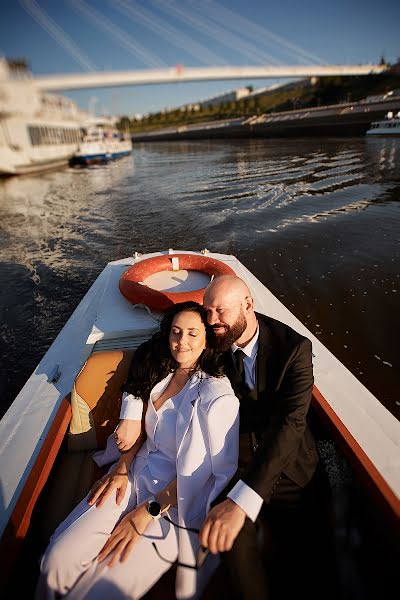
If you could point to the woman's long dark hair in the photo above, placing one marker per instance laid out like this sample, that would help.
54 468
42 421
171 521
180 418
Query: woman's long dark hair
153 359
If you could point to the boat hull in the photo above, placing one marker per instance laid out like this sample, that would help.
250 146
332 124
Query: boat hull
30 160
34 168
384 133
101 158
365 432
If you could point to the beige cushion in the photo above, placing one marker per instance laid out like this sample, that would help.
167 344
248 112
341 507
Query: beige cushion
96 399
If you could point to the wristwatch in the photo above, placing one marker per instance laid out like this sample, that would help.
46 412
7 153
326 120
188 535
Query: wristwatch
154 507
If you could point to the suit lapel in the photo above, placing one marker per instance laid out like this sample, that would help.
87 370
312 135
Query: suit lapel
263 358
186 410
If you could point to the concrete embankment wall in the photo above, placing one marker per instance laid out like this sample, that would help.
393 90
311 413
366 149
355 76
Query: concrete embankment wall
339 120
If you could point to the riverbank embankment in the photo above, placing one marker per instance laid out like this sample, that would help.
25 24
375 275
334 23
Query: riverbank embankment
347 119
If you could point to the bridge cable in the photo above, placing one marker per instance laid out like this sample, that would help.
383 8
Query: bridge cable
217 33
120 36
43 19
255 31
171 34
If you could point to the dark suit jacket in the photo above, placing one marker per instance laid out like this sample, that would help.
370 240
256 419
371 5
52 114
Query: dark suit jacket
279 414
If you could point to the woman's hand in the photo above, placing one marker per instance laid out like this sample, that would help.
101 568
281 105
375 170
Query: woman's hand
125 535
127 433
114 480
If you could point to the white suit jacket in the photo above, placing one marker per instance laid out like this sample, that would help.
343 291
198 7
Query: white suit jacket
207 450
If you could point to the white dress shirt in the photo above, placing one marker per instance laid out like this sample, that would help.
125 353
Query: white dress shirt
243 495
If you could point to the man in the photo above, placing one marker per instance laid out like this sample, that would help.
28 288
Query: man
280 486
280 480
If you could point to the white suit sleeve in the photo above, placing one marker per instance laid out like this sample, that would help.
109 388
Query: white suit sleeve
131 407
223 433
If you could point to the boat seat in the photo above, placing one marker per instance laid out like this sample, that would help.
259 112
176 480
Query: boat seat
96 399
96 404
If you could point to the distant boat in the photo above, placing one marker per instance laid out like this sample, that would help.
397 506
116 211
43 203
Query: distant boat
38 131
101 143
389 126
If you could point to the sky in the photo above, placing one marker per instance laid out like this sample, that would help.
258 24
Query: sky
80 36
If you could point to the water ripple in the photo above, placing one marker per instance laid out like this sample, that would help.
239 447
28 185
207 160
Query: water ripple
304 215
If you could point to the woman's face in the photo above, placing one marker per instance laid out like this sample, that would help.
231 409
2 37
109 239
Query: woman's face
187 338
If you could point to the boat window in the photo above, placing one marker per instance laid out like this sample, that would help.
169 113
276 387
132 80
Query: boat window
40 136
33 134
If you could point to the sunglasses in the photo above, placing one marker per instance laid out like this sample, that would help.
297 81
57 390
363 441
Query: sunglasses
201 554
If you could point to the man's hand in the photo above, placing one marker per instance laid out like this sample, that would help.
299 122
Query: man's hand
222 526
127 433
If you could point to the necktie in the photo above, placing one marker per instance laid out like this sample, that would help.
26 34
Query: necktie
239 356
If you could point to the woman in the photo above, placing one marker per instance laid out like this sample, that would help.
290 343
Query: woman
144 514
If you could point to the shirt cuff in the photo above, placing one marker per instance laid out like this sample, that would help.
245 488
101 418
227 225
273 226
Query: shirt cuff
248 500
131 407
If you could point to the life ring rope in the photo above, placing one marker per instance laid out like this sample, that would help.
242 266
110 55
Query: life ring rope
133 288
148 310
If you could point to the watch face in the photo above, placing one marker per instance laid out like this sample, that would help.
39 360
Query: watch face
154 509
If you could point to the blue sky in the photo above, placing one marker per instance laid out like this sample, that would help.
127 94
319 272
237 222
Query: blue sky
76 36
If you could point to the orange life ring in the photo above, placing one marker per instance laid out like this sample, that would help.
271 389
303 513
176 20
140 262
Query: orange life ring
139 293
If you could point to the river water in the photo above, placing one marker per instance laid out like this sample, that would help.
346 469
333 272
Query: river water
316 220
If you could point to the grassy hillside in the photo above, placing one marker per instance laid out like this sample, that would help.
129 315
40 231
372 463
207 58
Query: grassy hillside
327 90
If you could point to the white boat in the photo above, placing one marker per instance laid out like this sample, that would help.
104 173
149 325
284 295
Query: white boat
101 143
389 126
40 453
38 131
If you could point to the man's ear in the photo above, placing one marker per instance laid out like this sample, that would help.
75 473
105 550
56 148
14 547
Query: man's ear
249 303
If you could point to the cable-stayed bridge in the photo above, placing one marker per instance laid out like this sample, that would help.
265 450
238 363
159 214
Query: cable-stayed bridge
208 32
180 74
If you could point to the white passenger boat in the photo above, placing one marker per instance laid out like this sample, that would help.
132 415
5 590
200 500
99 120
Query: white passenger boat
101 143
38 131
389 126
45 458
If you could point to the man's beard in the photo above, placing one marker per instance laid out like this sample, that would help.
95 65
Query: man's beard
232 333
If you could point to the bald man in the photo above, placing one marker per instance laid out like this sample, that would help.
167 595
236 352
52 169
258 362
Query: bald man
280 477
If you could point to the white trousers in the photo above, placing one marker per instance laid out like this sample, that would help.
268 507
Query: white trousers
70 567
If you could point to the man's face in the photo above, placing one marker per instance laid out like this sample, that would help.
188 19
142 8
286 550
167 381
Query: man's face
227 320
